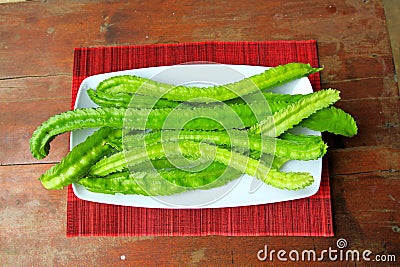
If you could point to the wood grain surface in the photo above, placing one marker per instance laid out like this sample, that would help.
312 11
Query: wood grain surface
37 40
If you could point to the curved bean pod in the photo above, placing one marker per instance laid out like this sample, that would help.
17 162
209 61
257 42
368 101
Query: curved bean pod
332 120
78 161
293 114
139 119
302 149
149 182
242 163
123 100
268 79
69 121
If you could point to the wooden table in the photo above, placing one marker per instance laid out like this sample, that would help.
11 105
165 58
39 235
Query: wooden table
37 39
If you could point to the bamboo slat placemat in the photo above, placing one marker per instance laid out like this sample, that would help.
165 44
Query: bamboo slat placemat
310 216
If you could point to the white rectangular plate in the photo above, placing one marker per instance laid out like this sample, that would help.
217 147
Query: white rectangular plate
236 193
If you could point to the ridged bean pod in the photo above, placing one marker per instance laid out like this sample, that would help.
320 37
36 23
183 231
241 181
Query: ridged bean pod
238 116
123 100
293 114
80 159
242 163
301 149
268 79
148 183
332 120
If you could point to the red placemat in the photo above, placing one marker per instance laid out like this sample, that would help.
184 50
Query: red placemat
304 217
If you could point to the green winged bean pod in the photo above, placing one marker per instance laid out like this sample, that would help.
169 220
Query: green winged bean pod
242 163
79 160
268 79
293 114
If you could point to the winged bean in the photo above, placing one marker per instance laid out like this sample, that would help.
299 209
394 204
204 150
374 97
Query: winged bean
270 78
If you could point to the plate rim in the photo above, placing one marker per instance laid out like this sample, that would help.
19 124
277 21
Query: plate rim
78 188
